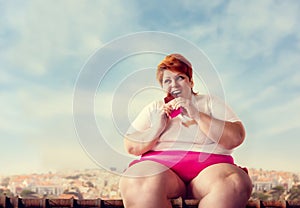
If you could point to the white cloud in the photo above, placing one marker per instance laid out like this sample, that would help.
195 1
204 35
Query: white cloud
261 25
206 6
246 29
280 118
60 150
39 37
27 109
51 31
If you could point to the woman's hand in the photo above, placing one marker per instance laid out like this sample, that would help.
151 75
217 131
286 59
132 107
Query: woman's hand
187 106
225 133
139 142
159 120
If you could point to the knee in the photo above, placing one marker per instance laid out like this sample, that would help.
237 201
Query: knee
128 187
131 187
240 184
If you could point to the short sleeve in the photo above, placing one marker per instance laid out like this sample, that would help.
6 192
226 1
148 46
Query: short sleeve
143 120
220 110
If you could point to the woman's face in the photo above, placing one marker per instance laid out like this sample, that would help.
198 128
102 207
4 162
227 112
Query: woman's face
177 84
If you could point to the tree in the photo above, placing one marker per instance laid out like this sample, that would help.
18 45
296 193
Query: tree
260 195
5 181
295 178
26 193
76 192
294 193
90 184
7 192
276 192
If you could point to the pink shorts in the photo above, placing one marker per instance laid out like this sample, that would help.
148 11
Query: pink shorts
186 164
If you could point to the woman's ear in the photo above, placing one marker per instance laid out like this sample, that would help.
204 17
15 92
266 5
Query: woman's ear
192 83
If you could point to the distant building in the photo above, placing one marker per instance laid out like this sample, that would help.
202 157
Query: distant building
47 190
262 186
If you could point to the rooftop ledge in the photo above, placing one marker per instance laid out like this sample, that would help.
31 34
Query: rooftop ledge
16 202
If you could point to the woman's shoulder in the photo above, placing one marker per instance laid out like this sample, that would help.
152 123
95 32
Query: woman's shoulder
206 98
201 98
209 101
155 104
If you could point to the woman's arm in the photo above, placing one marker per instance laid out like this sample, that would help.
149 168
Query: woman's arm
227 134
138 142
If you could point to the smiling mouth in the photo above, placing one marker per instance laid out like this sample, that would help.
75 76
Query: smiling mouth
176 93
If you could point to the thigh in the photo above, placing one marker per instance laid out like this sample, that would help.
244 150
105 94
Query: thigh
153 177
220 178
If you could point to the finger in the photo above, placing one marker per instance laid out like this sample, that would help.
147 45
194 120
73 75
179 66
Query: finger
178 105
167 110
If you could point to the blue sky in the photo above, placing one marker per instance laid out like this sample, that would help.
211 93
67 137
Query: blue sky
254 46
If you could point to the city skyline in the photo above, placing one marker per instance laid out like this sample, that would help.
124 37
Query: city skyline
253 45
95 183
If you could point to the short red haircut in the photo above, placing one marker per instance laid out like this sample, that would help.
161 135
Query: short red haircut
174 63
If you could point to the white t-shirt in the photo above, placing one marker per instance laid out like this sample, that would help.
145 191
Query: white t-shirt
180 137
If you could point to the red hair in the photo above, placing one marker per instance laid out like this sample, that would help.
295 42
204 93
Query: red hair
174 63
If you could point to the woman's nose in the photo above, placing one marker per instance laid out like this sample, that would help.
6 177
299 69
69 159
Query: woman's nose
173 83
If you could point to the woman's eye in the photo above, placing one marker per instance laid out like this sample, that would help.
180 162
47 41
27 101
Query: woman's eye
180 78
167 81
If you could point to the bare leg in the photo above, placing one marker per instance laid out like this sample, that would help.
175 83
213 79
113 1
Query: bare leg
222 186
149 184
